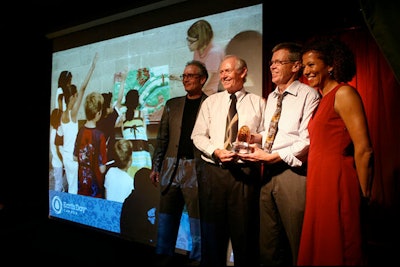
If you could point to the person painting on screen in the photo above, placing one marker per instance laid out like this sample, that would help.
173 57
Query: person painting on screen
340 160
200 41
64 80
283 188
175 162
55 149
90 150
112 117
228 189
134 128
69 128
118 184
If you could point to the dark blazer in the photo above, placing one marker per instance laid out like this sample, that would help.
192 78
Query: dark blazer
169 131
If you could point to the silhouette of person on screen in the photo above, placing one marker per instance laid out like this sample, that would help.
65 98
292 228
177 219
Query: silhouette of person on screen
118 184
90 150
64 80
200 41
134 128
55 149
138 221
69 127
112 116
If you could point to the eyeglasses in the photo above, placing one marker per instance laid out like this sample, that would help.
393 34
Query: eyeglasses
189 76
191 40
279 62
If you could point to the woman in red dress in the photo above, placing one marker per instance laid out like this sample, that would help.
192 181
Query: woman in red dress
340 160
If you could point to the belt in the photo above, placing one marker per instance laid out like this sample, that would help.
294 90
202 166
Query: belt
140 145
278 168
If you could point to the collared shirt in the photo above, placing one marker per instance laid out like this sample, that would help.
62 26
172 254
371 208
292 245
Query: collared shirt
209 130
292 139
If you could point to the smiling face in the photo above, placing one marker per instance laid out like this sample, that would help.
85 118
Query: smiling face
315 69
232 79
192 80
281 67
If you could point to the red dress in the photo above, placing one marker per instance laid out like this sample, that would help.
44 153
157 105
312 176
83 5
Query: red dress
331 232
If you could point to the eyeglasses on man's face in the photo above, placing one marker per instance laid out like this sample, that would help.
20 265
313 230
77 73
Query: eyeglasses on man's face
189 76
279 62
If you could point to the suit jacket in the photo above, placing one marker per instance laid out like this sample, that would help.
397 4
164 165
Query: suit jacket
169 131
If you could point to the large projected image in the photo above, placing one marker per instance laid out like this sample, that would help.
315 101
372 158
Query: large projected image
136 74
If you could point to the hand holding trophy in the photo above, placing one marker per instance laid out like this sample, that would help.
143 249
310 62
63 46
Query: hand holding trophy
243 140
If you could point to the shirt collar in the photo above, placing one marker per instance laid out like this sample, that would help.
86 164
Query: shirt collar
239 94
291 89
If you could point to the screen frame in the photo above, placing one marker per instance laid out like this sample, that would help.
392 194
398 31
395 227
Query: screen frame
101 33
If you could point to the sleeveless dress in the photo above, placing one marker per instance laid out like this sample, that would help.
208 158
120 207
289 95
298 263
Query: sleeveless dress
135 130
331 232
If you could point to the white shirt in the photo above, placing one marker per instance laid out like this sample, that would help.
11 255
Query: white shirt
209 130
55 159
118 184
69 131
292 139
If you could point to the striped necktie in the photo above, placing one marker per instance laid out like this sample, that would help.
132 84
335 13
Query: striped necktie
231 123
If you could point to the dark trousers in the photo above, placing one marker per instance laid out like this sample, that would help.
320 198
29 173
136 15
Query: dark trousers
180 195
229 208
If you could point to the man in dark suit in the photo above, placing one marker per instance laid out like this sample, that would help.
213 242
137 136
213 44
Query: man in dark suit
175 163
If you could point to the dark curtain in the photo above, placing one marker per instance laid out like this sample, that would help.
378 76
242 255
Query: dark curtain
380 92
382 19
377 53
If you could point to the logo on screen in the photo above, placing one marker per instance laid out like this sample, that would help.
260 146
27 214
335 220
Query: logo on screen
56 204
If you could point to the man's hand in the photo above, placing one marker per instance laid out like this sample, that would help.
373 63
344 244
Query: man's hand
154 177
223 155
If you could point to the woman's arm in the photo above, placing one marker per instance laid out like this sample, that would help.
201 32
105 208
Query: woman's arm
348 104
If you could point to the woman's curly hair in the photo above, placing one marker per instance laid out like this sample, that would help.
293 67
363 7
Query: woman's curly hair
335 53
